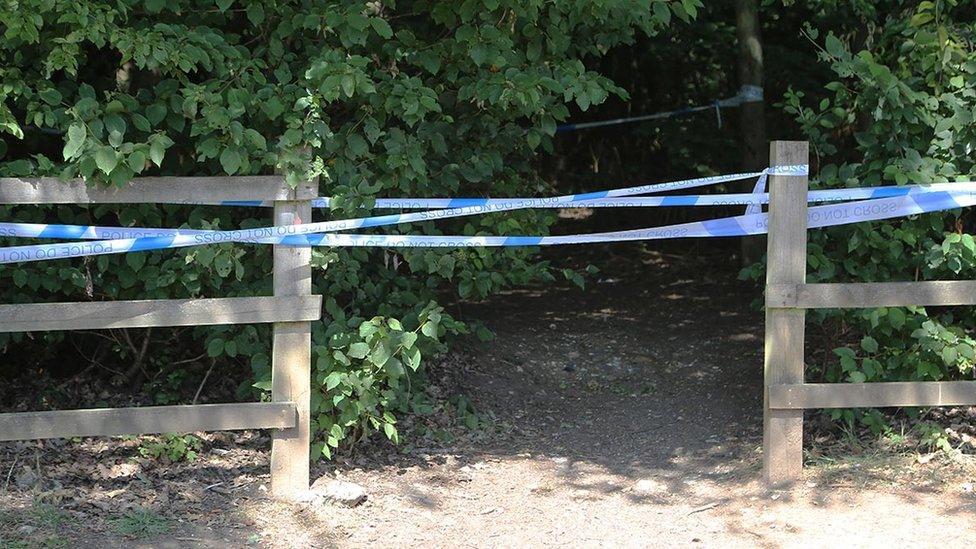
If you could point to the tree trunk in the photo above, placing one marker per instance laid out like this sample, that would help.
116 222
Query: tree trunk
752 122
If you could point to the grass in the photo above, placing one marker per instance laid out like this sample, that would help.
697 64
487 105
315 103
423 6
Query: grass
46 521
49 516
141 523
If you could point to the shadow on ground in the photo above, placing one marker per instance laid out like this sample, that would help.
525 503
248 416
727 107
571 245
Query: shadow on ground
628 413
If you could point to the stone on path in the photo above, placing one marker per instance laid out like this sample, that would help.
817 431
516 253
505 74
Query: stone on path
339 492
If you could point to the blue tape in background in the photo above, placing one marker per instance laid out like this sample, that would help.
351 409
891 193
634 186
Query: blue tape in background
746 94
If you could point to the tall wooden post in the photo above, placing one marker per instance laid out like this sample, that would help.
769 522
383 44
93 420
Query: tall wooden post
786 263
291 362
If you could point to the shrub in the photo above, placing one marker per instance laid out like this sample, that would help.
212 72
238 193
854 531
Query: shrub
898 113
420 98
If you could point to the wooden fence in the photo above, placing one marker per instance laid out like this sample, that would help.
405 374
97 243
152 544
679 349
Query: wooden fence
292 309
786 395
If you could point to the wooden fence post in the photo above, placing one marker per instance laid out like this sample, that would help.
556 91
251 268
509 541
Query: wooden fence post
786 263
291 360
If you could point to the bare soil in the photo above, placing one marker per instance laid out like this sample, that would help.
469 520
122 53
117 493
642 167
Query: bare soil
628 414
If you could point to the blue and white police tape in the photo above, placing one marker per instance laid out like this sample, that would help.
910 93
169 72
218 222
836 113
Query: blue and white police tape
516 203
746 94
280 234
262 234
554 202
758 196
95 232
743 225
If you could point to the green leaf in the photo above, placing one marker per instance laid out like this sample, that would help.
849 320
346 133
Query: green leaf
484 334
333 380
429 329
137 161
114 124
412 357
358 350
273 108
76 139
949 355
857 377
896 317
357 145
341 358
381 353
408 340
661 12
141 123
255 13
869 344
51 96
156 113
223 264
348 83
157 150
135 260
106 158
920 19
834 46
230 160
216 347
381 27
224 5
390 431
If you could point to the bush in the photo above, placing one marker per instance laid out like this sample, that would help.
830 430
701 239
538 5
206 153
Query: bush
376 98
898 113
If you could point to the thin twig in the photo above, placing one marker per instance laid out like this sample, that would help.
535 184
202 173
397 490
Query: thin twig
706 507
186 360
213 362
137 367
101 335
11 471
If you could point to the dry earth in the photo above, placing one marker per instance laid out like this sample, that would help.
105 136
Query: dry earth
624 415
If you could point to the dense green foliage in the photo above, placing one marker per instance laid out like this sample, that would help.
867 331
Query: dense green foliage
461 99
900 111
419 98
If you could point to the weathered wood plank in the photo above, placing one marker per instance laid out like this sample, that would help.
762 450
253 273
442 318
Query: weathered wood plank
291 363
157 312
146 190
786 249
872 395
867 295
150 419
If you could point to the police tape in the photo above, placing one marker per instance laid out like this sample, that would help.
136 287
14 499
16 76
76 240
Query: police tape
743 225
594 198
756 199
262 234
728 199
746 94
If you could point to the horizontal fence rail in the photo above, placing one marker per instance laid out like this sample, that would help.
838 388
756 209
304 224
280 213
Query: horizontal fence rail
291 309
148 190
150 419
788 297
872 395
94 315
868 295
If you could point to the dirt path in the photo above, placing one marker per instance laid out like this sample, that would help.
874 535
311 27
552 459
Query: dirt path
630 415
625 415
